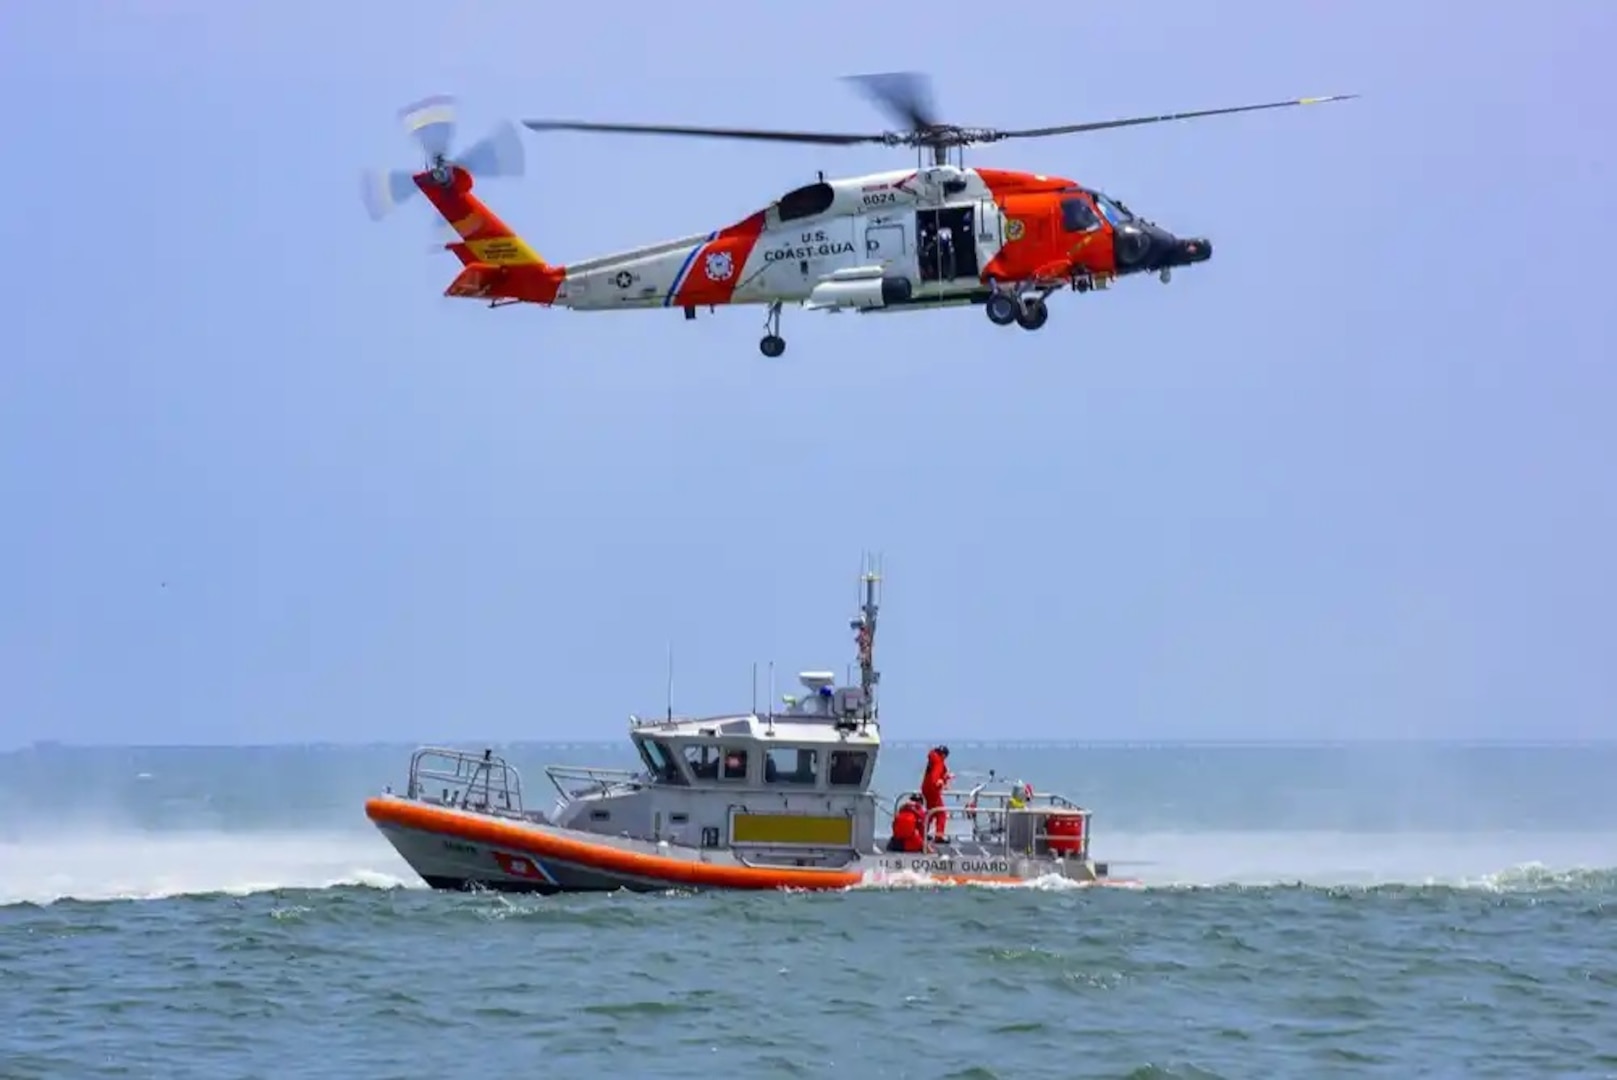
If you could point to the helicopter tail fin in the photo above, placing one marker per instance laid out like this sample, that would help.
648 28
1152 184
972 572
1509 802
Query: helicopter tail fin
484 238
496 262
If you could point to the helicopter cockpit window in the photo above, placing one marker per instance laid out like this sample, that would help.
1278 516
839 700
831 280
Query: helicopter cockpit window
1077 215
806 201
1111 210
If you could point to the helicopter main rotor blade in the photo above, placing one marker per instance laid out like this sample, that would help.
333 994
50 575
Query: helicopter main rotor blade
1102 125
905 95
822 138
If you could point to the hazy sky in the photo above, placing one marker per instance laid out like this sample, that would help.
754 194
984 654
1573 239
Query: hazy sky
260 482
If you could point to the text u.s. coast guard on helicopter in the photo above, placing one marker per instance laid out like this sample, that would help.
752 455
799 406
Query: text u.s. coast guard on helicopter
814 245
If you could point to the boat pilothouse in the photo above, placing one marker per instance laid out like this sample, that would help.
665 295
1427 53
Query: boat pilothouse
774 799
787 787
791 787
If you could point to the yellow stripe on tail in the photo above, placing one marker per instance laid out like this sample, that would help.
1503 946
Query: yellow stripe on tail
490 241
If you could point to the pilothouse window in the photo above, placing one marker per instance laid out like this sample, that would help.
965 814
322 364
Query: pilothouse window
660 761
709 762
703 760
848 767
791 765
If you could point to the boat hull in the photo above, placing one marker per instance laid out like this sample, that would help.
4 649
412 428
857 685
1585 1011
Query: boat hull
456 849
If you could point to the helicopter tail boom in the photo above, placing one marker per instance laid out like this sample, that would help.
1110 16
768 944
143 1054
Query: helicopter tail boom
496 262
483 236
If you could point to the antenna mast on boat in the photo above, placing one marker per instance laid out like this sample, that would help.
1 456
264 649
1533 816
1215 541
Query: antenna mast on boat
865 637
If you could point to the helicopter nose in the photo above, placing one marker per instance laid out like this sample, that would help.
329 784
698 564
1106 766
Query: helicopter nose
1164 250
1132 244
1197 250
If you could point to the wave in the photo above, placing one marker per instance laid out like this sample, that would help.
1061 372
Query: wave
123 866
158 866
1526 878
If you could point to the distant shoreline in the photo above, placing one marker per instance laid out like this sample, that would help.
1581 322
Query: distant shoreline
907 744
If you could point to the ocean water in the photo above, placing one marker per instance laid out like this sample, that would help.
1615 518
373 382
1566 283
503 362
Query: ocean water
1396 910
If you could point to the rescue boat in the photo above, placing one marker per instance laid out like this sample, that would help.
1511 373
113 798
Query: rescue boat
778 800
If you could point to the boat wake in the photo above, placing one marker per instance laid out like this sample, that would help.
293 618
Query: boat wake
1485 860
1526 878
154 866
157 866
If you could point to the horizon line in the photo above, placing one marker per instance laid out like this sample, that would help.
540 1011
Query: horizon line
967 742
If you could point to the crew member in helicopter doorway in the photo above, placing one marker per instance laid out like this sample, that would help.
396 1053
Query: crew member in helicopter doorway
935 779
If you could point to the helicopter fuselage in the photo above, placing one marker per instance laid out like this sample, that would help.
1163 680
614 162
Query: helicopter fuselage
899 240
891 240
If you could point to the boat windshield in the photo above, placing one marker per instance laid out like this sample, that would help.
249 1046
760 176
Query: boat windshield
1112 210
660 761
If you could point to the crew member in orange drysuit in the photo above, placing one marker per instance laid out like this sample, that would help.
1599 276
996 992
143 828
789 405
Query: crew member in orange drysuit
907 825
937 778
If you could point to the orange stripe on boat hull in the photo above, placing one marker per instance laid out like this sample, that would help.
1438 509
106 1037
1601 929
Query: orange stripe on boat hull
613 860
600 857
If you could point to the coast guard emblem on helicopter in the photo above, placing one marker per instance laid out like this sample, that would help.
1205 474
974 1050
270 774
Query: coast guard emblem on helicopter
719 266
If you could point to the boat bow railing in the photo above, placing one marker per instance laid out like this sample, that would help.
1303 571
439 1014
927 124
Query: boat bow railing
466 780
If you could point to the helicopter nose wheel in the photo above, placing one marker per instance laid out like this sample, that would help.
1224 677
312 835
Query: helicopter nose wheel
773 344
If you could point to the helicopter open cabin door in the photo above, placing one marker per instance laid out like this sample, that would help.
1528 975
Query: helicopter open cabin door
946 243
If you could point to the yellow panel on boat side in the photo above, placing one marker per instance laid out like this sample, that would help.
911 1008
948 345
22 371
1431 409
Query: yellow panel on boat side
791 829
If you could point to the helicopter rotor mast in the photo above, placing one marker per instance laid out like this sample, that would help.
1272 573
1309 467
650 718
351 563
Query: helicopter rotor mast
906 97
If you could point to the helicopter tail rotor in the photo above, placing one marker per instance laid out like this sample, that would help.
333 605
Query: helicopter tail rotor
432 123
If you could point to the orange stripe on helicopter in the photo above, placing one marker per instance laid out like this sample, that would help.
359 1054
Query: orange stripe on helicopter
711 277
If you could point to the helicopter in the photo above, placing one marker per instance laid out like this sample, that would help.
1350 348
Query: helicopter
936 235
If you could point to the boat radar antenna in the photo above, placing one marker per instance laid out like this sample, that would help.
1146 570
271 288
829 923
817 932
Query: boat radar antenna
864 628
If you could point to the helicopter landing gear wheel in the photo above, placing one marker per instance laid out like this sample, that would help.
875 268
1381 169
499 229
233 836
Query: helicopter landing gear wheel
1001 309
1033 314
773 344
